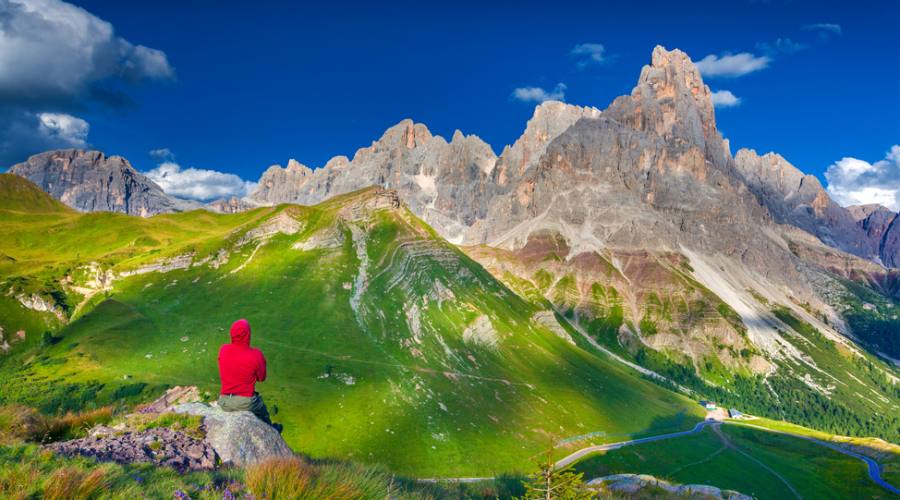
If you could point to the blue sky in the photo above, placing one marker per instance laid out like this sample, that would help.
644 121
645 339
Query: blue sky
246 86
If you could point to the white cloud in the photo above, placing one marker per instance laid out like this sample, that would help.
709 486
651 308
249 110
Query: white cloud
51 49
725 99
781 46
56 57
853 182
198 184
732 65
589 53
162 154
67 129
23 133
538 94
824 29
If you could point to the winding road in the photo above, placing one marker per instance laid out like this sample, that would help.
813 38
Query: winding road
874 469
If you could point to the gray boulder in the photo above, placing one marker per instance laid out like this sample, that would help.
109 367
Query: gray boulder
239 438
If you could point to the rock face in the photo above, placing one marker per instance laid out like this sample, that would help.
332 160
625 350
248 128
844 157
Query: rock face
239 438
795 198
91 181
881 226
160 446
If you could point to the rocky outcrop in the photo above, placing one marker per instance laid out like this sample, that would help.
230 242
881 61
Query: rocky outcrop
231 205
159 446
90 181
239 438
223 438
882 228
633 484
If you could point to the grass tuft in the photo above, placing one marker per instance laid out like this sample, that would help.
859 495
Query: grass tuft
72 483
19 423
280 478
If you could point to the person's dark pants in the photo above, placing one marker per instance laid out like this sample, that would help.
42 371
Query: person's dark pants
254 404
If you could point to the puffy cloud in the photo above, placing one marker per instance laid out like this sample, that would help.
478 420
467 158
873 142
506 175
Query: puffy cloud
54 51
589 53
732 65
57 59
162 154
68 129
198 184
854 182
538 94
725 99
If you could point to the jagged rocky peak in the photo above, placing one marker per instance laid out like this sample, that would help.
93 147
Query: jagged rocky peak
798 199
278 184
92 181
861 212
772 170
882 226
295 166
338 162
407 134
671 101
550 119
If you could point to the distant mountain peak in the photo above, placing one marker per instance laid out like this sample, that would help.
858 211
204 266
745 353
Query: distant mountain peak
670 100
407 133
91 181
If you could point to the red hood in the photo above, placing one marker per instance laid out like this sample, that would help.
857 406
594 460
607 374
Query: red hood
240 332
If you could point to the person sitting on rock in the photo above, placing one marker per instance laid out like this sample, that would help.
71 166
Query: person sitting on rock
240 368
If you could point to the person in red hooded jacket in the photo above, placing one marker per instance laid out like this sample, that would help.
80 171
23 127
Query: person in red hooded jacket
240 368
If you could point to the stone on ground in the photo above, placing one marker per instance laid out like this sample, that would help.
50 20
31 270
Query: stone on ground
239 438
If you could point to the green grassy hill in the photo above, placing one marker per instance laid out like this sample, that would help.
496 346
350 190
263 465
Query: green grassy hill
385 343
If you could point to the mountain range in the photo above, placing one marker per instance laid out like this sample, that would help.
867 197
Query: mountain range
631 233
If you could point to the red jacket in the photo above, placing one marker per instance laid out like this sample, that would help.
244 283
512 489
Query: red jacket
240 366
